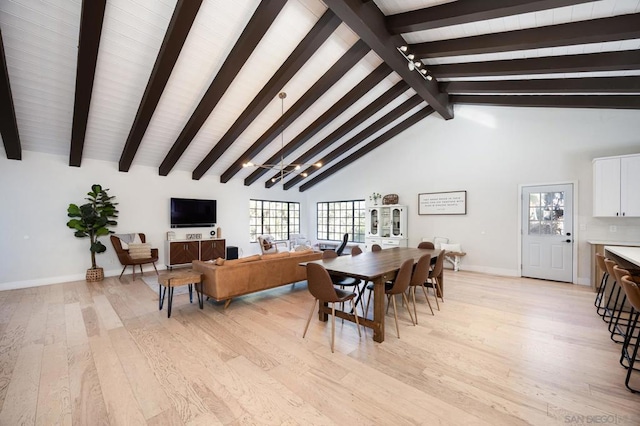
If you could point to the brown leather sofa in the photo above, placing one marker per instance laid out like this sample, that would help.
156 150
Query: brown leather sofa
225 279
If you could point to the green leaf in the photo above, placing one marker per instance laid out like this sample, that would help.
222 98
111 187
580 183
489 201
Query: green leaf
98 247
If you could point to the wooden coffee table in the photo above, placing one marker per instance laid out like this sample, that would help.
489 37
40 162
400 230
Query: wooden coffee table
176 279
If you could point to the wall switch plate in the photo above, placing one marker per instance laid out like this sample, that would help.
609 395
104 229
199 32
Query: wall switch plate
613 228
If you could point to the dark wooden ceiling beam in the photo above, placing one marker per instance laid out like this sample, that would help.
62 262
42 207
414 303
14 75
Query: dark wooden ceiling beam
555 85
623 27
8 123
465 11
260 22
325 26
324 83
552 101
368 83
92 17
592 62
360 117
377 142
183 16
368 22
369 131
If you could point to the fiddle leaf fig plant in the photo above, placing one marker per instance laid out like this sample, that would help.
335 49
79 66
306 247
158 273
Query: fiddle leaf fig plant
93 219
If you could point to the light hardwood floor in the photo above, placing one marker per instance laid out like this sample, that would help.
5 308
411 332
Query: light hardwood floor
502 351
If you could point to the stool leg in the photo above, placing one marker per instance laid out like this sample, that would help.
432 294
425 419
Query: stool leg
631 328
170 302
190 293
631 362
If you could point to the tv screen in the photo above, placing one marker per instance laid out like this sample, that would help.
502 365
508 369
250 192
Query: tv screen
187 212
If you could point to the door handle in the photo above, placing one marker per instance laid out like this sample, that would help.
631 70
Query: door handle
567 241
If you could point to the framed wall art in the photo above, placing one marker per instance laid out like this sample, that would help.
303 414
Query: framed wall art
442 203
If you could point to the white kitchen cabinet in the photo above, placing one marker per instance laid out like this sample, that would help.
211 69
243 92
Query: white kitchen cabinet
615 186
386 226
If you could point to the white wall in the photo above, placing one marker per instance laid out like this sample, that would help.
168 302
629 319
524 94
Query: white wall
487 151
37 248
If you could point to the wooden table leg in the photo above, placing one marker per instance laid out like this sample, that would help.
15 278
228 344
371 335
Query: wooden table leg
378 309
322 314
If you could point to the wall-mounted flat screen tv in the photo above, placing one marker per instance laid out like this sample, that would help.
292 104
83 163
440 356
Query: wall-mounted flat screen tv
191 213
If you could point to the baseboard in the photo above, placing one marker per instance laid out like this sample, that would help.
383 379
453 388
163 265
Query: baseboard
492 271
65 279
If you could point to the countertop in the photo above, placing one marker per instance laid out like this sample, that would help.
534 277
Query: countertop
614 243
630 254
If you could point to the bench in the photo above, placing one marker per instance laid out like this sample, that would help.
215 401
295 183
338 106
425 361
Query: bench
454 257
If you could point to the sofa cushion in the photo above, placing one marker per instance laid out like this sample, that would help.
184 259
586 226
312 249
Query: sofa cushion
242 260
301 252
140 250
219 261
275 255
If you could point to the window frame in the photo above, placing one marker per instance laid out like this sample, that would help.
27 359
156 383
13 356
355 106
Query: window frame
290 226
328 230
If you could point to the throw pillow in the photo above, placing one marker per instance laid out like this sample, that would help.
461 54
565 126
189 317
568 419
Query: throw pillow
140 250
266 245
450 247
219 261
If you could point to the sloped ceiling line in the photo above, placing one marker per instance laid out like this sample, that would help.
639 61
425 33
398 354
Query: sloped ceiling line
260 22
368 22
368 83
183 16
465 11
369 131
325 26
8 123
552 101
386 136
91 21
380 102
557 85
590 62
623 27
324 83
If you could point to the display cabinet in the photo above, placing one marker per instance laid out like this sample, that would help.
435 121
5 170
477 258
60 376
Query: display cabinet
386 226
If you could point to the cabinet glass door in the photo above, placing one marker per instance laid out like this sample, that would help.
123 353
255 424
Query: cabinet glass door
374 222
386 222
395 220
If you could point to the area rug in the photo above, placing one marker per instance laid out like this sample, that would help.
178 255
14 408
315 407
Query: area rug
152 282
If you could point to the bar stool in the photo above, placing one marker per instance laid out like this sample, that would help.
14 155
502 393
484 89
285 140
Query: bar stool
630 285
612 303
603 284
615 326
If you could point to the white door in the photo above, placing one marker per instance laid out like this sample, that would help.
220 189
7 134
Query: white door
547 232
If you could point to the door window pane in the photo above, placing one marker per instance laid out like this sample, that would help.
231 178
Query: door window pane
546 213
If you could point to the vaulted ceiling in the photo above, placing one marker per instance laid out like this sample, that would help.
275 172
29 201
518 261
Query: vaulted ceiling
193 85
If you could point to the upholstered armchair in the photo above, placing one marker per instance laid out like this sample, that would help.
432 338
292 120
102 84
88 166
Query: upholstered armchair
134 251
269 245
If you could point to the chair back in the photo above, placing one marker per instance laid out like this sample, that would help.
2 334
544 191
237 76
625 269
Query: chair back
117 245
376 247
600 260
437 268
630 285
609 265
426 245
266 244
340 249
319 283
401 283
421 271
620 272
329 254
356 251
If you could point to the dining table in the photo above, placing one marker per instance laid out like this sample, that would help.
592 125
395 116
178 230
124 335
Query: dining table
377 267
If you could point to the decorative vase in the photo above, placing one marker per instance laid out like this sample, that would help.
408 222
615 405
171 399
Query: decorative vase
94 275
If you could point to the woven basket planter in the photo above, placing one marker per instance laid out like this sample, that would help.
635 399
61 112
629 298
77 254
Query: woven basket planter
95 274
390 199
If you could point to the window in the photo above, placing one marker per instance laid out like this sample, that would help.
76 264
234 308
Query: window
276 218
336 218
